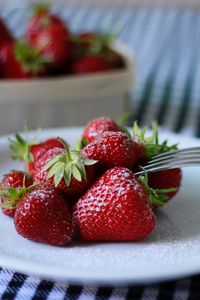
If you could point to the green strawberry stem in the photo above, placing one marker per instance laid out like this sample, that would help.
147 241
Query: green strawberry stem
151 143
20 147
40 8
14 195
70 163
157 197
30 58
80 144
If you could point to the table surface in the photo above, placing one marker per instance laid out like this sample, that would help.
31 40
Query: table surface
167 90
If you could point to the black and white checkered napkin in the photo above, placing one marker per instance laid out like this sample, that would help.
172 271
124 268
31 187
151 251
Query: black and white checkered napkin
14 286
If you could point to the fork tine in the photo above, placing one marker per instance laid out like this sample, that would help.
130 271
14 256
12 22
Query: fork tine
173 159
168 166
175 153
186 155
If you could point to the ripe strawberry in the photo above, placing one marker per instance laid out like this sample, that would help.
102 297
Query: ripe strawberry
5 35
42 215
14 179
166 179
98 44
20 61
67 170
114 58
38 150
150 147
53 43
115 208
29 151
97 126
40 20
90 64
113 149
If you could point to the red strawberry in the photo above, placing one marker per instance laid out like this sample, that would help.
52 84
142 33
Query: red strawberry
42 215
67 170
53 43
41 19
19 61
5 34
98 44
29 151
151 146
166 179
114 58
90 64
14 179
113 149
38 150
97 126
115 208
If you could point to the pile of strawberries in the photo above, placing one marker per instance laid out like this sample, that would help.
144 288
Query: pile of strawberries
88 193
50 49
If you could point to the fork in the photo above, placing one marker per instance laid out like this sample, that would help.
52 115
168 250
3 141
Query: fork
173 159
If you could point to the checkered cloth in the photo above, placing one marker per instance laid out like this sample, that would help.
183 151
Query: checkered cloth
166 45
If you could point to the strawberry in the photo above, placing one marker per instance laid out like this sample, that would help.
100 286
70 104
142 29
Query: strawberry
67 170
14 179
42 215
40 20
112 149
38 150
115 208
114 58
90 64
20 61
166 179
97 126
23 149
54 44
150 147
5 34
98 44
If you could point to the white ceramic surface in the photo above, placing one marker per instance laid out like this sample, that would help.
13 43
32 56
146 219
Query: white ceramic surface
172 251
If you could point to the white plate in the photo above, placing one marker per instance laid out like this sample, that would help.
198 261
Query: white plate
172 251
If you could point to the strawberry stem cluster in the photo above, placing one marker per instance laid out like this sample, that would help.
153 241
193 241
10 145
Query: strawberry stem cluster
151 143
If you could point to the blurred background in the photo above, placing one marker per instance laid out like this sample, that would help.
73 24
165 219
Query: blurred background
162 39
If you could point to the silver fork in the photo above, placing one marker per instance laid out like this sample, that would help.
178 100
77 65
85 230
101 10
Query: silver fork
173 159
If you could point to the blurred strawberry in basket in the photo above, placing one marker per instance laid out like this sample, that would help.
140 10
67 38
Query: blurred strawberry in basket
5 34
54 44
50 37
93 53
90 64
18 60
41 19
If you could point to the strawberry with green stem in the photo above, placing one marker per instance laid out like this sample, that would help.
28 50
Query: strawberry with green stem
29 151
117 207
41 214
12 184
67 170
93 53
151 146
19 60
41 19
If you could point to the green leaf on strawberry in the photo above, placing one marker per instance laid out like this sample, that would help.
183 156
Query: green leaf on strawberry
13 195
20 147
30 58
151 143
157 197
71 163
